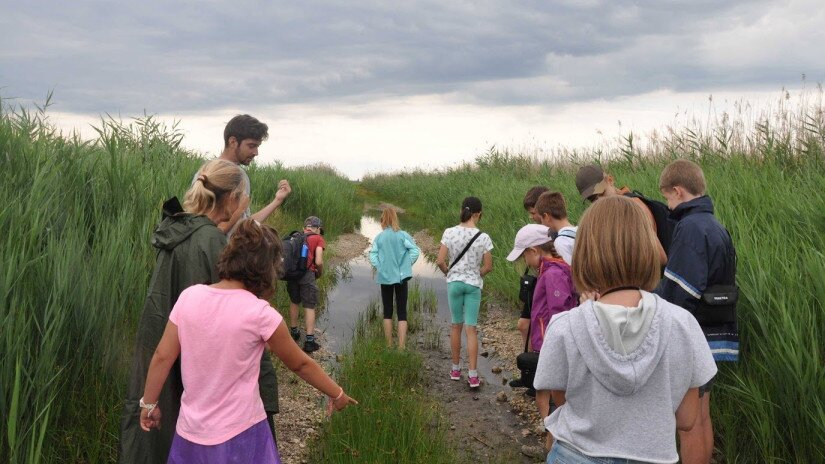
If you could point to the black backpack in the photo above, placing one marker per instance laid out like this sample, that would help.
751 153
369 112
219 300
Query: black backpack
295 255
661 213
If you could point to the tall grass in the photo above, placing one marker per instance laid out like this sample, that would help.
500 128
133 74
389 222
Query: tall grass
396 421
76 218
765 174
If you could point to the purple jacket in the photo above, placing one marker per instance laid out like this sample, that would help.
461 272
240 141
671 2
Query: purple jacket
554 294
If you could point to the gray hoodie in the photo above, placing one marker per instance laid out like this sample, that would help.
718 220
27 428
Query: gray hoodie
622 405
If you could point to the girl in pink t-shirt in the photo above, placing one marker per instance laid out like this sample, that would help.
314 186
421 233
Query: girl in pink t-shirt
220 332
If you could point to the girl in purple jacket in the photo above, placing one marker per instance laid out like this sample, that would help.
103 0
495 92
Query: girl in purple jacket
554 291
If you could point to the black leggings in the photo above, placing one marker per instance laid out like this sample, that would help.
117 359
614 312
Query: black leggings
400 291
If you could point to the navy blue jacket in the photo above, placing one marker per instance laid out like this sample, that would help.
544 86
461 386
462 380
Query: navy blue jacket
701 254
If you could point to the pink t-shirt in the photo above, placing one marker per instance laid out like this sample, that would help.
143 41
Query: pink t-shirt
222 335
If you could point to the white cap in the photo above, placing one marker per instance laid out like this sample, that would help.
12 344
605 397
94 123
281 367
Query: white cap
529 236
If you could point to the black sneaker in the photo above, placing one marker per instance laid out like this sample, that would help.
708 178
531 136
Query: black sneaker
531 392
310 346
295 333
516 383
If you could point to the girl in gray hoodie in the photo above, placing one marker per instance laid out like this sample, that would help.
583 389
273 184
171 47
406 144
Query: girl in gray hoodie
624 367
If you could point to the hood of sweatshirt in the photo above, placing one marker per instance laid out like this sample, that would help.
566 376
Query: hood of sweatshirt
604 335
175 229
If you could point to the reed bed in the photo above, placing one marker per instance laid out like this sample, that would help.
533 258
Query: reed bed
765 173
76 218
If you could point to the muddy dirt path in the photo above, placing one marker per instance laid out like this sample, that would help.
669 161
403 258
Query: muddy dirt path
494 423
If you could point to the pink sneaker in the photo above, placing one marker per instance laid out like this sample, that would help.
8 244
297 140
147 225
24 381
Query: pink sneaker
455 374
474 382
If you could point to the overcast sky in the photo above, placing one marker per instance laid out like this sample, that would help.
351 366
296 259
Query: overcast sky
372 86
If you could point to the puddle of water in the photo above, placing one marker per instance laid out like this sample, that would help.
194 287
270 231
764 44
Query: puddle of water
357 288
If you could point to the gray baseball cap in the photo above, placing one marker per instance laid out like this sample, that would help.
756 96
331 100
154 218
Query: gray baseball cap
313 221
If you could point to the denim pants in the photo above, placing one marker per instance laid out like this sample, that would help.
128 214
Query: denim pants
562 453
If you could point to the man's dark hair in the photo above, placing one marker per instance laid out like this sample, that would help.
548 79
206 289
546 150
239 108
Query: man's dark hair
244 126
533 195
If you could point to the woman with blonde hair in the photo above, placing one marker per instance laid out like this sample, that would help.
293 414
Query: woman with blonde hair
393 253
624 369
188 244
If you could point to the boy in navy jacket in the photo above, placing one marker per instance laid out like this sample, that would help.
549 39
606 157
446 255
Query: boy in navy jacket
701 255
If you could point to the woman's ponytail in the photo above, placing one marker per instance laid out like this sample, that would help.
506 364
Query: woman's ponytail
214 181
466 214
469 206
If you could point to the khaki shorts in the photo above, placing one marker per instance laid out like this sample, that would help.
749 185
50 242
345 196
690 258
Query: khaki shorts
304 291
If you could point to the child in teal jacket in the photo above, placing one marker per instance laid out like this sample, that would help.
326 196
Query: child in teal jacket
393 254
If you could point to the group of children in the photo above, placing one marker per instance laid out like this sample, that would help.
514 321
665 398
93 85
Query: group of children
613 335
620 313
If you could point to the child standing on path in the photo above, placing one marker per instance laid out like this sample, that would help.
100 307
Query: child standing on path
624 369
554 291
305 290
393 253
701 256
530 198
220 331
552 209
469 252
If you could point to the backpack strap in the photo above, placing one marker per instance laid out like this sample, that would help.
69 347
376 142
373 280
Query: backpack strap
464 251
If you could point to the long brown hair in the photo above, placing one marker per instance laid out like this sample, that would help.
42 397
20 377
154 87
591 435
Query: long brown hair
615 247
252 256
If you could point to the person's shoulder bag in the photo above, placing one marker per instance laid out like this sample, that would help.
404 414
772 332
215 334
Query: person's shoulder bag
464 251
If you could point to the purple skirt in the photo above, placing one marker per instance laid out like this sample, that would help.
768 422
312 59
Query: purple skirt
254 444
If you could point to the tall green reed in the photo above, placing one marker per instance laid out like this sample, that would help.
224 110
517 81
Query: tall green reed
77 217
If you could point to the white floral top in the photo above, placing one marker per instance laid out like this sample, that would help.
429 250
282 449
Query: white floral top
467 269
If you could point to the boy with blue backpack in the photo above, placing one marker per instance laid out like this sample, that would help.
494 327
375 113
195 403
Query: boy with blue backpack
301 269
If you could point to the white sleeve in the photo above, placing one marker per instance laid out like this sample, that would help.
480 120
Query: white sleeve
553 370
487 242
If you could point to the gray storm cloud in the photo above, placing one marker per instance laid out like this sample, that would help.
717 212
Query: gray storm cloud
199 56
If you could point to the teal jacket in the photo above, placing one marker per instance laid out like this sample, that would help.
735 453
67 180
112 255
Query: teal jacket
393 254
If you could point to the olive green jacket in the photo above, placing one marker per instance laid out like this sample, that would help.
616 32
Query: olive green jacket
188 249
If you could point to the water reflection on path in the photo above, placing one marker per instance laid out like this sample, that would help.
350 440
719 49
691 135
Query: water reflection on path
357 288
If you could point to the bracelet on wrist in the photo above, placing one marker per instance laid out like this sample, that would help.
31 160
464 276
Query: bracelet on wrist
149 407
